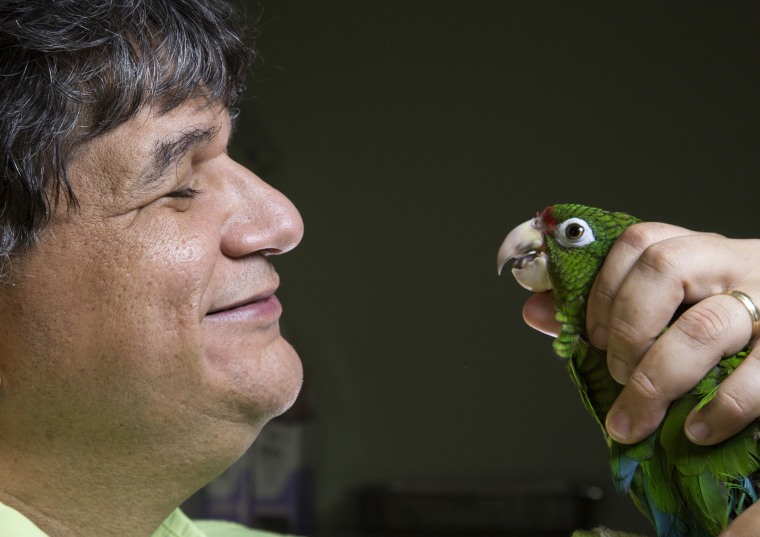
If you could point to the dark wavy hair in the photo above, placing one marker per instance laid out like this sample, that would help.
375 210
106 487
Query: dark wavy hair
71 70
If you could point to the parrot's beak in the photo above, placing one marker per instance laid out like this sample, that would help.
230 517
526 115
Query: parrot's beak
524 245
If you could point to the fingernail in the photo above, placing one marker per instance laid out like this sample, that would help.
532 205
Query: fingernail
618 369
698 431
620 425
598 337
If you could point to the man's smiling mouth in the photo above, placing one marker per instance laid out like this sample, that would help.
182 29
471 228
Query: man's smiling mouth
263 307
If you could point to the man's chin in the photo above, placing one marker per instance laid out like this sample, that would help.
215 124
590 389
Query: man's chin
275 386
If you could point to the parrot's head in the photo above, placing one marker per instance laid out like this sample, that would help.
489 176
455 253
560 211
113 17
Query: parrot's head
562 248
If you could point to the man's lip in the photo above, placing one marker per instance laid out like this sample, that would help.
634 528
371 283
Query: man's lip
259 297
263 311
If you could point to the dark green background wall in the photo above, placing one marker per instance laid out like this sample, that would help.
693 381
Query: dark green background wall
412 135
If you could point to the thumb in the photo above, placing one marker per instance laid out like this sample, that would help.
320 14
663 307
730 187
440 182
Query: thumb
539 313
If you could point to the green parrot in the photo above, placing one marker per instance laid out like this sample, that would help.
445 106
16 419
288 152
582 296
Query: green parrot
684 489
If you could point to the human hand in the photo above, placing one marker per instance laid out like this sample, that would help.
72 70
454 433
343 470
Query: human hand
746 525
652 269
539 313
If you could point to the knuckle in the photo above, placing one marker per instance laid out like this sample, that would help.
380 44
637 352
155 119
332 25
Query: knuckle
704 325
736 398
645 385
735 406
623 333
603 291
638 237
664 258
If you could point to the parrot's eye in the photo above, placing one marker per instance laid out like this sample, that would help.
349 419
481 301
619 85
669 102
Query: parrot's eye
574 232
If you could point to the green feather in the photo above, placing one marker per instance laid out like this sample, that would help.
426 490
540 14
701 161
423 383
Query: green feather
708 497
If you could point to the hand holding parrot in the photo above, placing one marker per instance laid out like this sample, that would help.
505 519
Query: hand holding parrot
652 269
721 414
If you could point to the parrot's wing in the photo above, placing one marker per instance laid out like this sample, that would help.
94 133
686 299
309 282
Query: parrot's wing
714 480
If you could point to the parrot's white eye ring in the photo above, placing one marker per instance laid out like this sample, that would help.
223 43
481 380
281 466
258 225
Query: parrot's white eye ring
574 233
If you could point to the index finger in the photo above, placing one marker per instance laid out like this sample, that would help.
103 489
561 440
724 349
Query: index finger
623 256
711 329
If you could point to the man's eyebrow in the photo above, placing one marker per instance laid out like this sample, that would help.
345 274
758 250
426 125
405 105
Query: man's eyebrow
167 152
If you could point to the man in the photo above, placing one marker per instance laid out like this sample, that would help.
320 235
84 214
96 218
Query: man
650 271
140 353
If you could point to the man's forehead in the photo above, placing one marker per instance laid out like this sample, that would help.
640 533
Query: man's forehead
137 152
149 126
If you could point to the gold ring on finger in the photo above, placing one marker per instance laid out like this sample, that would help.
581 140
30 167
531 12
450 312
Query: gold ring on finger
752 308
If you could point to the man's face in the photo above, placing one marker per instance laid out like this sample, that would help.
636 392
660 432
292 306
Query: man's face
150 309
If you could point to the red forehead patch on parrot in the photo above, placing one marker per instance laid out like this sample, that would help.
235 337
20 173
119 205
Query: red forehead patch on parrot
547 217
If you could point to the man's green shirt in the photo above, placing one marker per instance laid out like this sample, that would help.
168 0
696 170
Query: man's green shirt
14 524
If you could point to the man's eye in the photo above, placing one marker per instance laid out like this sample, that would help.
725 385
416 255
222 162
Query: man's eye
187 193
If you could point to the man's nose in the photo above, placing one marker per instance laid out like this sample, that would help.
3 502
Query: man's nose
263 220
